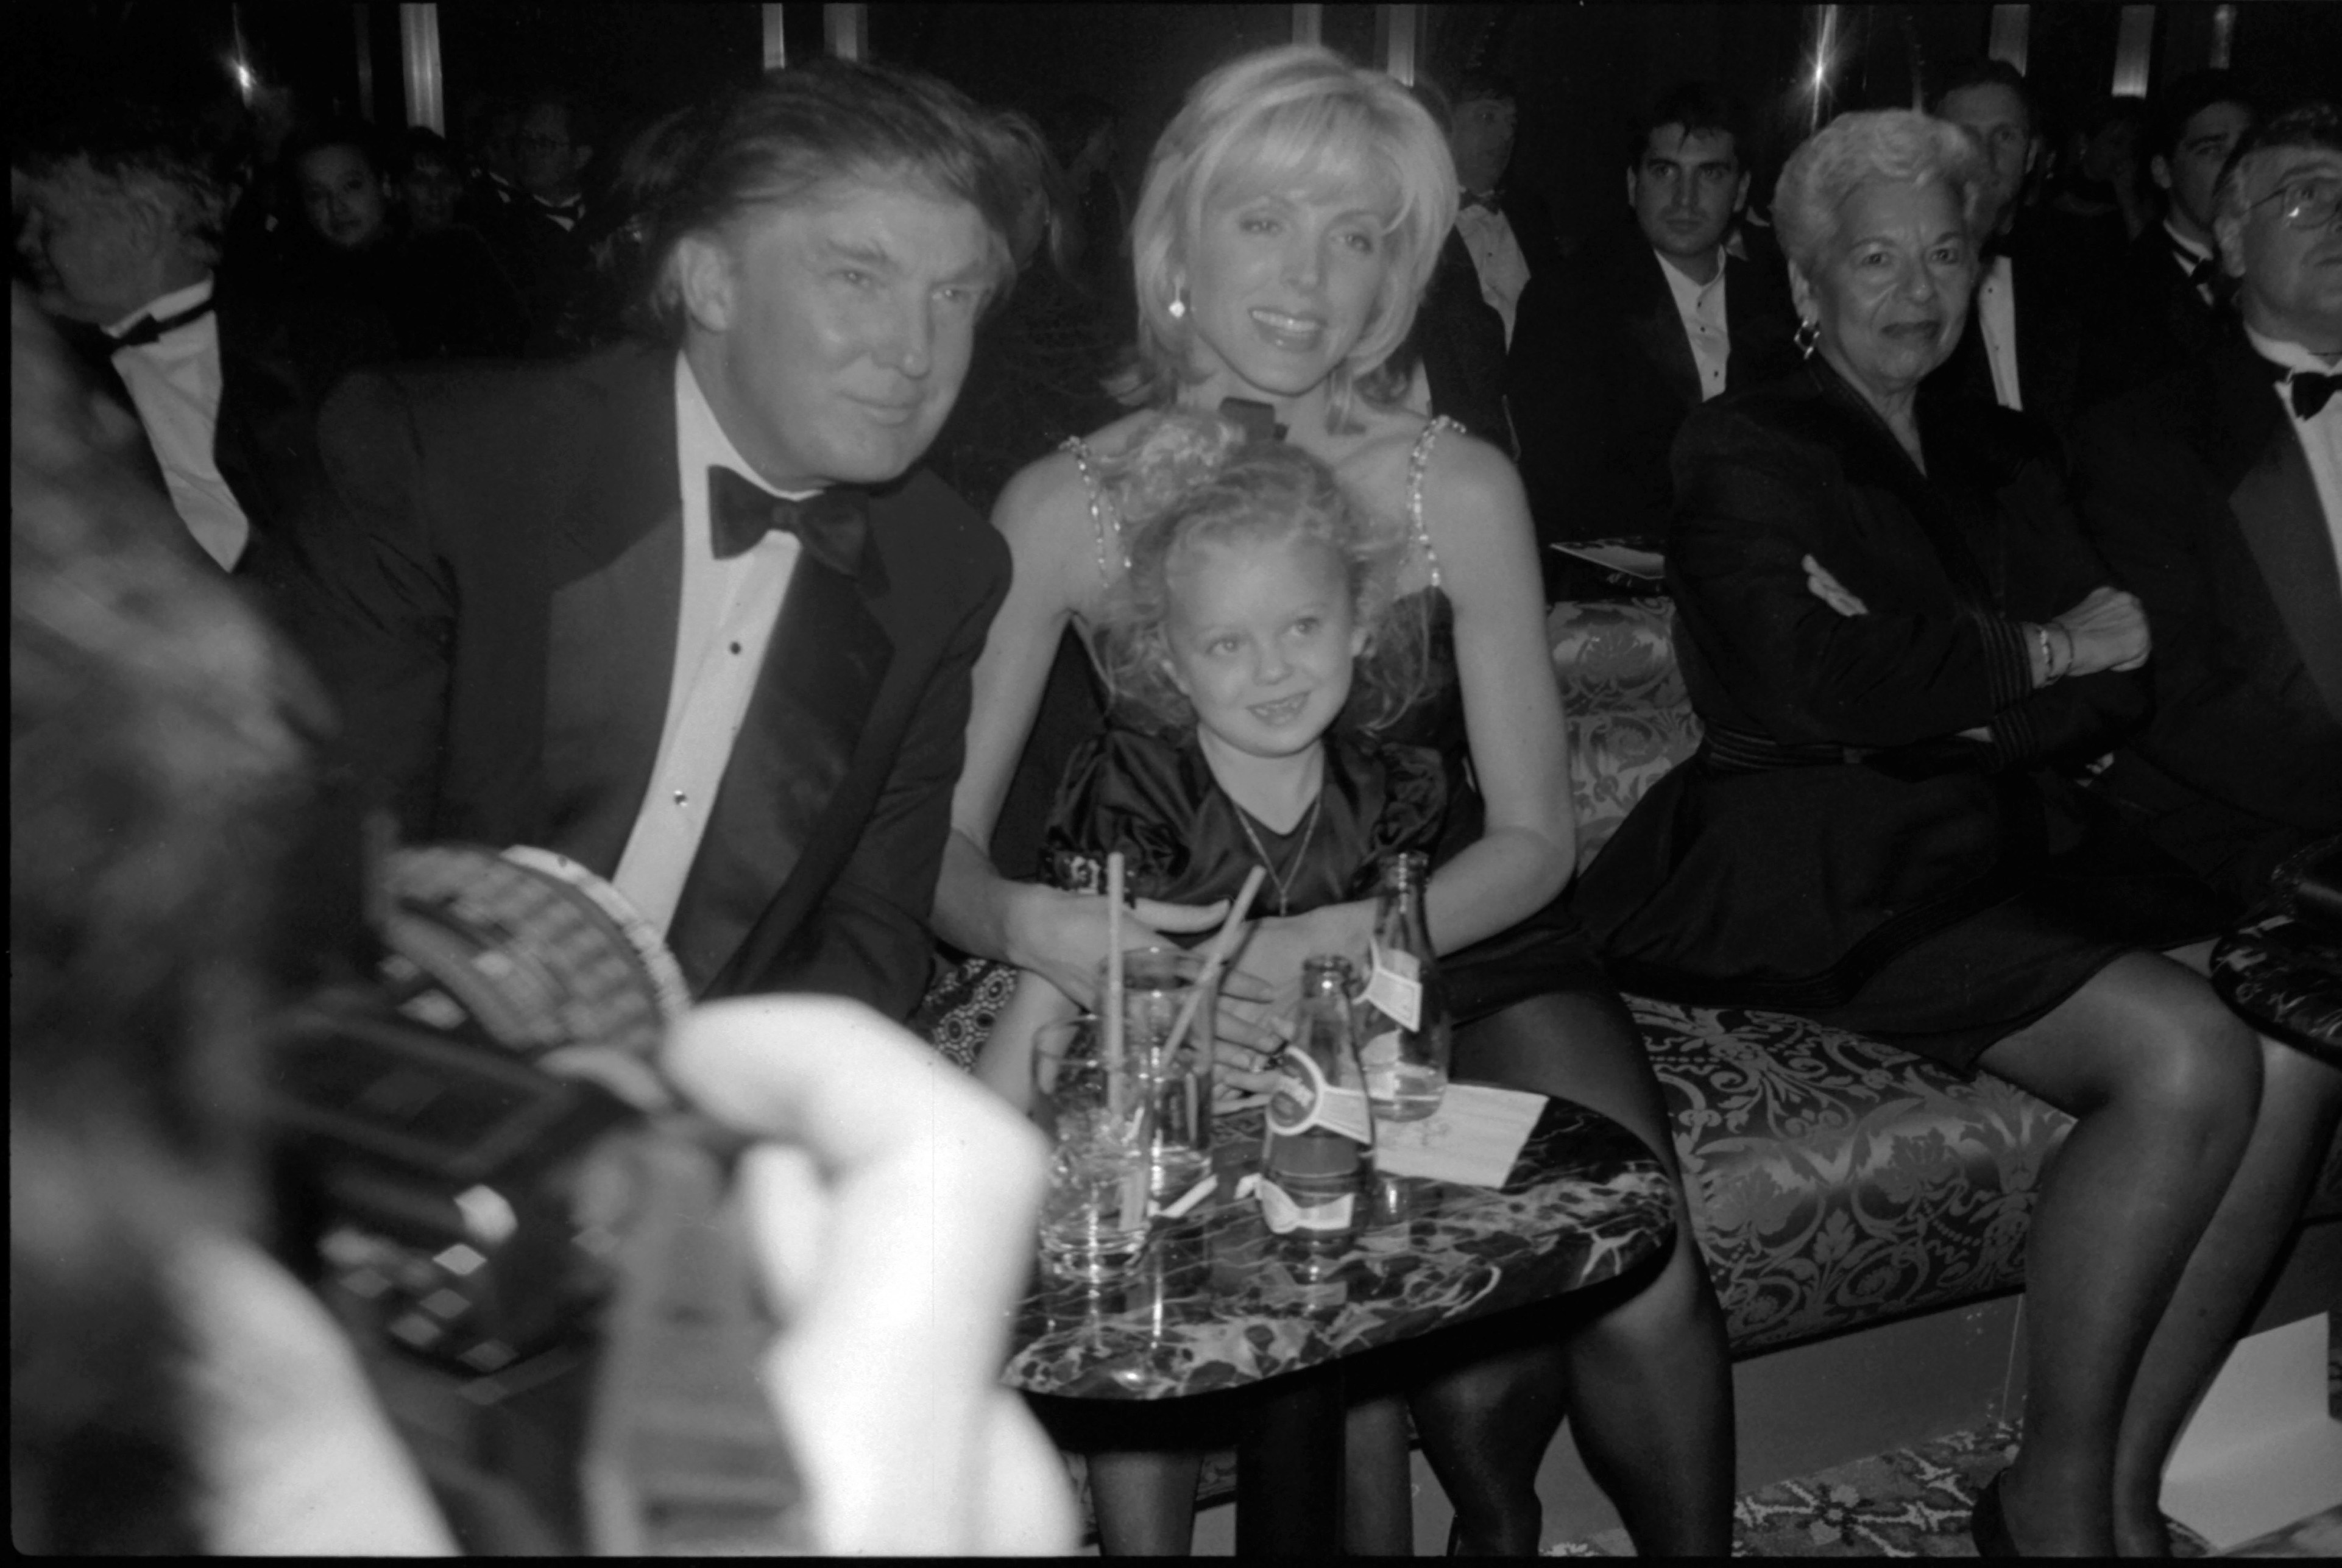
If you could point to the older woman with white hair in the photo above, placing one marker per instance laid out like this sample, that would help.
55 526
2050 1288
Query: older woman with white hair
1292 213
1899 646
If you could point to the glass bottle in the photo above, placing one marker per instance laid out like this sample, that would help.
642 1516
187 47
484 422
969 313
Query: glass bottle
1320 1129
1403 1021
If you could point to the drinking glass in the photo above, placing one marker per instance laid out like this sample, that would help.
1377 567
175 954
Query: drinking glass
1097 1108
1157 982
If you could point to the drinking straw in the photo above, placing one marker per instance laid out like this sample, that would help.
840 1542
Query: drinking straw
1113 957
1216 959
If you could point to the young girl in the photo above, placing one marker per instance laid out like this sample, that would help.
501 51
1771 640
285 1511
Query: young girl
1252 647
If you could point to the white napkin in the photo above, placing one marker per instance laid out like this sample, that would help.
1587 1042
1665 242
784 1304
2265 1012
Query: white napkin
1474 1137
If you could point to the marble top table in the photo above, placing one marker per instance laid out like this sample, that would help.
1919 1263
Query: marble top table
1220 1303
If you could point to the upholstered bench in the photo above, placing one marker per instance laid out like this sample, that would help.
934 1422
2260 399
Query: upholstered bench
1834 1182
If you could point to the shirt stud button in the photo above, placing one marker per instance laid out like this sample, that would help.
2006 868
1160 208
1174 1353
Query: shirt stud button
680 798
735 647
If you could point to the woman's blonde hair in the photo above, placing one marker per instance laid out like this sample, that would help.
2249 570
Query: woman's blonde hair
1293 116
1187 480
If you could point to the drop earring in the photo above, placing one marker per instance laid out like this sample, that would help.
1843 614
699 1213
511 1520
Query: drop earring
1809 333
1179 306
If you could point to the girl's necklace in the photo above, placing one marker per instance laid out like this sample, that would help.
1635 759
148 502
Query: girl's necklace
1293 867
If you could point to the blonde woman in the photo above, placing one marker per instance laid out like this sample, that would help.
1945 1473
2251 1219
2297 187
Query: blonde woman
1291 217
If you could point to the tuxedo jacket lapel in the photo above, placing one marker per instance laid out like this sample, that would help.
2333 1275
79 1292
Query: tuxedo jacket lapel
2259 467
2277 509
1657 329
609 669
792 803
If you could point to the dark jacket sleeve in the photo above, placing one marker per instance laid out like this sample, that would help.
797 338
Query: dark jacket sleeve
372 604
2220 724
1755 504
869 936
2049 568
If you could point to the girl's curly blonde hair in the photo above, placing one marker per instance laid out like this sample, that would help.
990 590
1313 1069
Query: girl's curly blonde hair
1189 479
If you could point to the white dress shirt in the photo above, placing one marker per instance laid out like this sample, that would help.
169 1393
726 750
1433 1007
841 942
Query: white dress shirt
726 618
1497 257
2321 437
2186 254
1701 306
1995 309
175 385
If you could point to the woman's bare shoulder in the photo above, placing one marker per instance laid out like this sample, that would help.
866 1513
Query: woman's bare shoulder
1050 498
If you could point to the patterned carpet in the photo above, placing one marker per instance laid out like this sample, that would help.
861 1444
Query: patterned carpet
1915 1503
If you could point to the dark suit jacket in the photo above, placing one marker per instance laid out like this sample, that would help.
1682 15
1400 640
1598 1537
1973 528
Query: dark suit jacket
280 356
2047 341
1786 884
1460 339
2197 490
2148 321
1460 336
553 268
500 632
1601 376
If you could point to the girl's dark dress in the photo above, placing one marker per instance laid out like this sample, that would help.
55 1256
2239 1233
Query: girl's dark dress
1835 848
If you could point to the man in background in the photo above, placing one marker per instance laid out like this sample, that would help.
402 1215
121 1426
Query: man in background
2216 495
1616 348
1504 235
2019 346
122 212
2163 306
542 229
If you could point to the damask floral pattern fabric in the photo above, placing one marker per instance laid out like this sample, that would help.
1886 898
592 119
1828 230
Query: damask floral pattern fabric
1630 718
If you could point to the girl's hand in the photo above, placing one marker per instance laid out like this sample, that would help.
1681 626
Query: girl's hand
1061 936
1831 592
1260 991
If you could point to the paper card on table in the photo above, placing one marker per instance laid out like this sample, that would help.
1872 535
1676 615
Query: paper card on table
1474 1137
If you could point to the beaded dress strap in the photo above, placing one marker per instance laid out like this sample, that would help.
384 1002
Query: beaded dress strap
1418 461
1108 534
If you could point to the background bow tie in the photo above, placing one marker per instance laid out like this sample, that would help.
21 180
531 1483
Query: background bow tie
2201 271
148 329
833 526
2310 390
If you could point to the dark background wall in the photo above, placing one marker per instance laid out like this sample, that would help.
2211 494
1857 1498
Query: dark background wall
1583 70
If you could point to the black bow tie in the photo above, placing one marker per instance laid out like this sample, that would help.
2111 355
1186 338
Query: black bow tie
2308 389
833 526
148 329
2201 270
1485 199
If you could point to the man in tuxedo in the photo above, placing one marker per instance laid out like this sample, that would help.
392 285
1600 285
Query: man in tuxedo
1504 235
2160 309
687 611
2019 346
2215 494
122 212
542 229
1617 346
